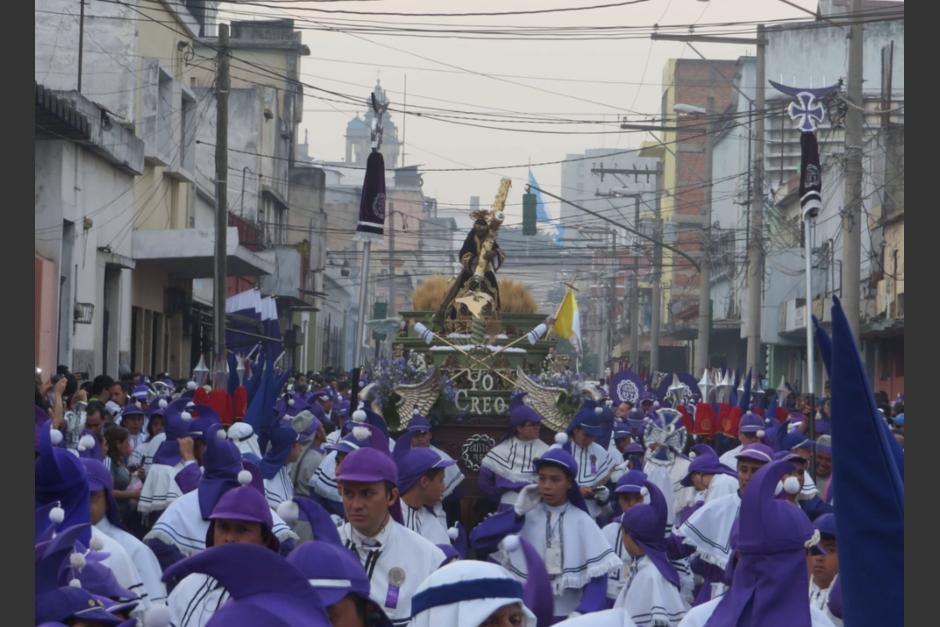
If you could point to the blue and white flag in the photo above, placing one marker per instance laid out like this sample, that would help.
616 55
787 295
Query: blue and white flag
541 213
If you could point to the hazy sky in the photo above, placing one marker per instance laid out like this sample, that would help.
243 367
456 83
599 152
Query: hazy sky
632 68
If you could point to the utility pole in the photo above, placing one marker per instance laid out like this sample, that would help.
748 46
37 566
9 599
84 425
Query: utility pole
391 263
81 41
221 198
635 296
657 292
612 307
755 267
704 290
851 231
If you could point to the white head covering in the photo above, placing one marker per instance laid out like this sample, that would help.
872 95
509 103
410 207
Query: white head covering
463 580
244 438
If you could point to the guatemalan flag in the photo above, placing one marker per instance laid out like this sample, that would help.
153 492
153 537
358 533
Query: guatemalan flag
541 213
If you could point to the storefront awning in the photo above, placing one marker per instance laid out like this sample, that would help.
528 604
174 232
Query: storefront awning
190 253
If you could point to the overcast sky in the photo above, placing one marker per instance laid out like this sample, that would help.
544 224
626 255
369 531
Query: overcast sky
633 68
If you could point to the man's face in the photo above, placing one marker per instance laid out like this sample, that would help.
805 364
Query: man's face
629 499
632 547
345 614
433 488
93 422
236 531
623 409
300 382
748 438
118 395
623 443
528 431
506 616
327 404
479 229
553 485
157 424
366 505
582 438
133 423
99 506
421 439
825 567
823 464
700 481
746 470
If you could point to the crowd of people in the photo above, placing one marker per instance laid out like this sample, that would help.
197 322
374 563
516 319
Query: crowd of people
275 498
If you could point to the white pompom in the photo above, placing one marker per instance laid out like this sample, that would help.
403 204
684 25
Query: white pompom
288 511
75 583
691 454
791 485
598 410
359 416
511 543
186 416
453 533
86 442
416 412
644 492
290 388
290 402
56 515
561 438
162 403
95 544
361 433
77 561
157 616
191 385
760 433
55 436
244 477
221 434
778 489
190 405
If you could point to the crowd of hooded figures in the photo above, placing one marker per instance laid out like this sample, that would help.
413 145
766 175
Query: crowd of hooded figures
275 500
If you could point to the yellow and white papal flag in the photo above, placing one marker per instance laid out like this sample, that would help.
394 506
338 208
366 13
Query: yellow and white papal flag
568 320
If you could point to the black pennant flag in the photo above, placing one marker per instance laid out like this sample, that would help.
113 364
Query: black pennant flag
372 203
810 175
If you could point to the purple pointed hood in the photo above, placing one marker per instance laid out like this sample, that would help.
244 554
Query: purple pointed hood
537 589
281 443
222 462
416 463
519 412
101 480
60 478
177 426
265 588
322 525
244 503
646 525
769 581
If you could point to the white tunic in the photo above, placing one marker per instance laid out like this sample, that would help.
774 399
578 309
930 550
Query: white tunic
195 599
648 598
668 476
147 450
819 599
699 615
148 567
584 550
614 534
452 475
279 488
395 547
160 487
708 529
606 618
324 479
594 468
425 523
182 526
122 567
729 459
512 459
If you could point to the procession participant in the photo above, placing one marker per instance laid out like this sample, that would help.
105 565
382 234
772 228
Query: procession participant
637 421
824 564
181 529
751 430
106 518
324 484
707 531
311 438
421 486
664 464
650 594
710 478
508 466
245 439
552 516
629 491
474 593
594 465
395 558
824 467
769 577
799 444
419 434
284 448
132 419
622 440
242 583
154 430
176 452
341 583
62 483
795 478
309 520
